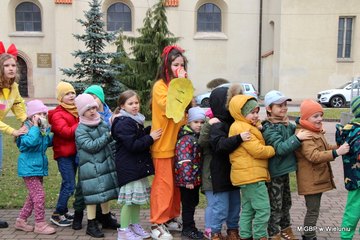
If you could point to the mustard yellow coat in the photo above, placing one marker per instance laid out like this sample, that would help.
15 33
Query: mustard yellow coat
15 103
249 162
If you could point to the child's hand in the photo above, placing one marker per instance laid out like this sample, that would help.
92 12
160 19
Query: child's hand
35 120
213 120
20 131
156 134
303 135
190 186
343 149
180 72
245 136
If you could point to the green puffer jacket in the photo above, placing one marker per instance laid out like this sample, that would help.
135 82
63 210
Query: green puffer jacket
204 142
97 172
285 142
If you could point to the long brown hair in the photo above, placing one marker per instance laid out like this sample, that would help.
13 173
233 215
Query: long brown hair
6 83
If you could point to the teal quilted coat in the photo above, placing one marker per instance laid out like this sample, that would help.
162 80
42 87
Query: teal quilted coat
97 172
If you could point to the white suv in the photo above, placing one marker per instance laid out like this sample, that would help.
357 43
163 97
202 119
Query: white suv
203 99
339 97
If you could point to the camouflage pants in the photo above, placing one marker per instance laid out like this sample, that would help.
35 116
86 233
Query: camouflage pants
280 203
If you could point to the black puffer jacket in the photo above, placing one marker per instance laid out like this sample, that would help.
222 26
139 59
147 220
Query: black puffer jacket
220 143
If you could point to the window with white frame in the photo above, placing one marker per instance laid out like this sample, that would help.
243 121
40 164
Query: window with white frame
28 17
209 18
119 17
345 37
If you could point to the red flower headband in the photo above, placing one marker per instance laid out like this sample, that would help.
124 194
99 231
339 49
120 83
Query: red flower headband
11 50
165 54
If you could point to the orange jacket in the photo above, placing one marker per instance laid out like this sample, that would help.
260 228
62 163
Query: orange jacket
165 146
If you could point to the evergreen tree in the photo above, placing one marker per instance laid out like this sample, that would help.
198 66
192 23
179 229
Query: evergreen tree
94 66
141 68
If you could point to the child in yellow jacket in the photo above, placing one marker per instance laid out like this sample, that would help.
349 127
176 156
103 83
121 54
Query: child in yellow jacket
249 168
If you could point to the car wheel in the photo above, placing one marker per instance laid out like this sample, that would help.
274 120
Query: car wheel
205 102
337 102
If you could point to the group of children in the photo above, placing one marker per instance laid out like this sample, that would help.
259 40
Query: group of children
224 153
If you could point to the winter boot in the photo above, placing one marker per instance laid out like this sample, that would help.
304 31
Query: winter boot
232 234
217 236
93 229
288 234
21 224
108 222
77 222
44 228
276 237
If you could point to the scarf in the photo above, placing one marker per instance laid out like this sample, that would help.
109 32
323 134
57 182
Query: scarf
275 119
139 118
310 126
70 108
90 121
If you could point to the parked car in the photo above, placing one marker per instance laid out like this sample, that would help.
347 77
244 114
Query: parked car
203 99
339 97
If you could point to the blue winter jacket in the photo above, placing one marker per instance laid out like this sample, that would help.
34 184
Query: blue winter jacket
32 160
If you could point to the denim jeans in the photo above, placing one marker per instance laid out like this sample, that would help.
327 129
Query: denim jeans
208 210
67 168
226 208
1 152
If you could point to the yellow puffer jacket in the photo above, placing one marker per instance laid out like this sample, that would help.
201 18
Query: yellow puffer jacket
249 162
15 103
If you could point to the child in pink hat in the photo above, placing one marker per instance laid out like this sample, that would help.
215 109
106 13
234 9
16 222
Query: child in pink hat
33 166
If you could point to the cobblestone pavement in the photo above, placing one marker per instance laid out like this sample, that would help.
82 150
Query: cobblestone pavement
328 227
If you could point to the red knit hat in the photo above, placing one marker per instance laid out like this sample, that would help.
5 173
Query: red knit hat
308 107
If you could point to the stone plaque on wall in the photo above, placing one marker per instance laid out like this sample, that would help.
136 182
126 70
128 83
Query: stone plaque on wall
44 60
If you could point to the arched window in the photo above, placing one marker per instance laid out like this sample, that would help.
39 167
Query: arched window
28 17
209 18
119 16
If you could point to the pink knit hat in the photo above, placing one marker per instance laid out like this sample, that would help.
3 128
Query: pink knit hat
35 106
84 102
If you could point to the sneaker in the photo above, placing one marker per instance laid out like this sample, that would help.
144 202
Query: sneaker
207 233
44 228
69 216
174 225
193 234
139 230
21 224
60 220
127 234
160 232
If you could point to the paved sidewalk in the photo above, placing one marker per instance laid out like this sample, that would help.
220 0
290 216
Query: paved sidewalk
332 206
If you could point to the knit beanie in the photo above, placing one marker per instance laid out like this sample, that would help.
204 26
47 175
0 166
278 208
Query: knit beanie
62 89
35 106
84 102
308 107
196 113
250 105
97 91
355 106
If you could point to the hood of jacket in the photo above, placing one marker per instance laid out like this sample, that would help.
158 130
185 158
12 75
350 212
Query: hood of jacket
186 130
235 106
218 102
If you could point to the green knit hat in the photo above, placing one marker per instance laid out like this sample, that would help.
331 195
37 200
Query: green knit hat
96 90
355 106
250 105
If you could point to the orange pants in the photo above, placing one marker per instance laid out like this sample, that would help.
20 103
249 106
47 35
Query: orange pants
165 196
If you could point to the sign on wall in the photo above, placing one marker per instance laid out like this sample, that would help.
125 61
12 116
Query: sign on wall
44 60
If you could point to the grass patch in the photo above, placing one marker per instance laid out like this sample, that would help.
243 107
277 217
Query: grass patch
329 113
